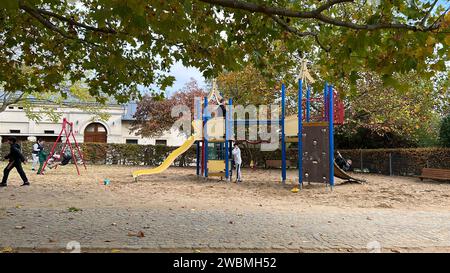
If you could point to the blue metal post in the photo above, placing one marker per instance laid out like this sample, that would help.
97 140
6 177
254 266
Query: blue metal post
198 116
325 99
227 160
283 140
308 104
227 137
231 121
331 134
205 135
300 132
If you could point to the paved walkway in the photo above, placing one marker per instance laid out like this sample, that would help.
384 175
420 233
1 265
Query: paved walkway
166 230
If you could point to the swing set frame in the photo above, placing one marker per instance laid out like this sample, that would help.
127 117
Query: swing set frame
67 132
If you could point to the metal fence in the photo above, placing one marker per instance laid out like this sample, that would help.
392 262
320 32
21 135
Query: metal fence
403 162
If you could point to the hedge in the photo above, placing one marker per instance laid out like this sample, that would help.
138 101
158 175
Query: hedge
403 161
118 154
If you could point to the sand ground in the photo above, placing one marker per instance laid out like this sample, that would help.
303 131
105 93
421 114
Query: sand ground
179 189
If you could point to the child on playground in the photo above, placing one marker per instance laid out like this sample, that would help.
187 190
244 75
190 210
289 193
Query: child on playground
37 147
42 158
16 159
67 156
344 164
223 107
237 161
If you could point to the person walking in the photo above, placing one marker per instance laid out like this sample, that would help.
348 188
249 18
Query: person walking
16 159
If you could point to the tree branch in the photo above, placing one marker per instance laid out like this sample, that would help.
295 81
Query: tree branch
425 18
8 100
287 27
314 14
435 23
43 20
49 25
75 23
330 4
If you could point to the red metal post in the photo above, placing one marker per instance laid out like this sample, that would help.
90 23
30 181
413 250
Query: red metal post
78 147
54 147
74 158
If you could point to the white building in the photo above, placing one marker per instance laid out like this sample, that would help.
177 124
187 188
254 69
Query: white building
14 122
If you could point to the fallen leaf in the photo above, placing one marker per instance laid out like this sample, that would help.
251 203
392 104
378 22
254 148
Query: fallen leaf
7 249
74 209
19 227
140 234
115 250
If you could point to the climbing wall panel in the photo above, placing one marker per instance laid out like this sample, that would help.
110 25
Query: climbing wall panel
315 153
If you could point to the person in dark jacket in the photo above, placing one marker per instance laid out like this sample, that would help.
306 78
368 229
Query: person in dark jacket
16 159
57 160
344 164
223 107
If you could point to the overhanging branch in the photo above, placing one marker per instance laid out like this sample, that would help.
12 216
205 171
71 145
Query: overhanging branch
291 29
316 14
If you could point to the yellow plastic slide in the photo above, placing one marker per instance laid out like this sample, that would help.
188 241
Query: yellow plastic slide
169 160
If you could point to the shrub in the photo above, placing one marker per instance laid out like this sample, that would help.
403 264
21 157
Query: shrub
444 132
408 161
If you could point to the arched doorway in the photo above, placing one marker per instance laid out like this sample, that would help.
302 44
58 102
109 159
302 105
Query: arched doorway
96 133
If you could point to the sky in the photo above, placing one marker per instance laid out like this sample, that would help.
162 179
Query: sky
183 75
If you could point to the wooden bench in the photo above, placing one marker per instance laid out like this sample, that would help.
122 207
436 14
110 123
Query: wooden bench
276 164
435 174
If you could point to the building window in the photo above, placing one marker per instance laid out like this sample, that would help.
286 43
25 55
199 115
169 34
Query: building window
132 141
14 131
49 132
162 142
10 107
20 108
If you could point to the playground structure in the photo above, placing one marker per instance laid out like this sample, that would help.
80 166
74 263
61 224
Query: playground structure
313 126
67 133
316 148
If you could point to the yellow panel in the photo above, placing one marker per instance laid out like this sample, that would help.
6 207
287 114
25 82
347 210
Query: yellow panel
222 174
216 140
216 127
311 124
292 139
291 125
216 166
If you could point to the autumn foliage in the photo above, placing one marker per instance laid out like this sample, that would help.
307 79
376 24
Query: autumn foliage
154 113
